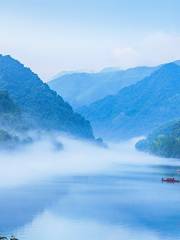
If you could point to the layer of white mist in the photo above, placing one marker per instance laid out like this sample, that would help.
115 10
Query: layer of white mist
40 160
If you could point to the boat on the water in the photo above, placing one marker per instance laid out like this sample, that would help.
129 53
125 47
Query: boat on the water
170 180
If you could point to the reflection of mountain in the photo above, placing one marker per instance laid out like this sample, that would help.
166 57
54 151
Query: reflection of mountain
117 201
41 107
100 199
19 206
84 88
139 108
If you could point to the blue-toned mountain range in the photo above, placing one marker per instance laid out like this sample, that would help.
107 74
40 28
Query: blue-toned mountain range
138 109
84 88
41 107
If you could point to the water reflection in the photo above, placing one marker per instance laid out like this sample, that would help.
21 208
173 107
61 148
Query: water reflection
53 227
131 203
127 201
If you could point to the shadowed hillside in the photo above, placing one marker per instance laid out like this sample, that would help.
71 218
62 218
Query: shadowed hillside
41 107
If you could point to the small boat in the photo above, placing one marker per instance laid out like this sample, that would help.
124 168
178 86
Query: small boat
170 180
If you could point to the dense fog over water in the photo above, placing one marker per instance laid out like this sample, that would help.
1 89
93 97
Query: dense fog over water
89 120
87 192
40 160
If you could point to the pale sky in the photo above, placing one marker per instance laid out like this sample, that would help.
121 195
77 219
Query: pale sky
51 36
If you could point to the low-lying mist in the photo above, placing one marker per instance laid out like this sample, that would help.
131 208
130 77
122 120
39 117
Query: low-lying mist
40 160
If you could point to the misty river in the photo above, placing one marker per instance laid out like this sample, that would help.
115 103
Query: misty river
85 192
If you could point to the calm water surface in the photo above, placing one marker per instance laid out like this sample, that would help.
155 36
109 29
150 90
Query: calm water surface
128 202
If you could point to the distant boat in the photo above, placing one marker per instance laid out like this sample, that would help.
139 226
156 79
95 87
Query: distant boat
170 180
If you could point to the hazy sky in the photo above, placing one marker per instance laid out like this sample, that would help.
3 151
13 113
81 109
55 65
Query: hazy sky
55 35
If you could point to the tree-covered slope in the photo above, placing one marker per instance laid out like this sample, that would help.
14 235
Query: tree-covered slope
11 123
139 108
10 114
84 88
164 141
40 106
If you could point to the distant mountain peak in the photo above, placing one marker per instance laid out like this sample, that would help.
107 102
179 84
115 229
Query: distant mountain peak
84 88
167 71
110 69
139 108
177 62
169 66
42 107
7 61
8 58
